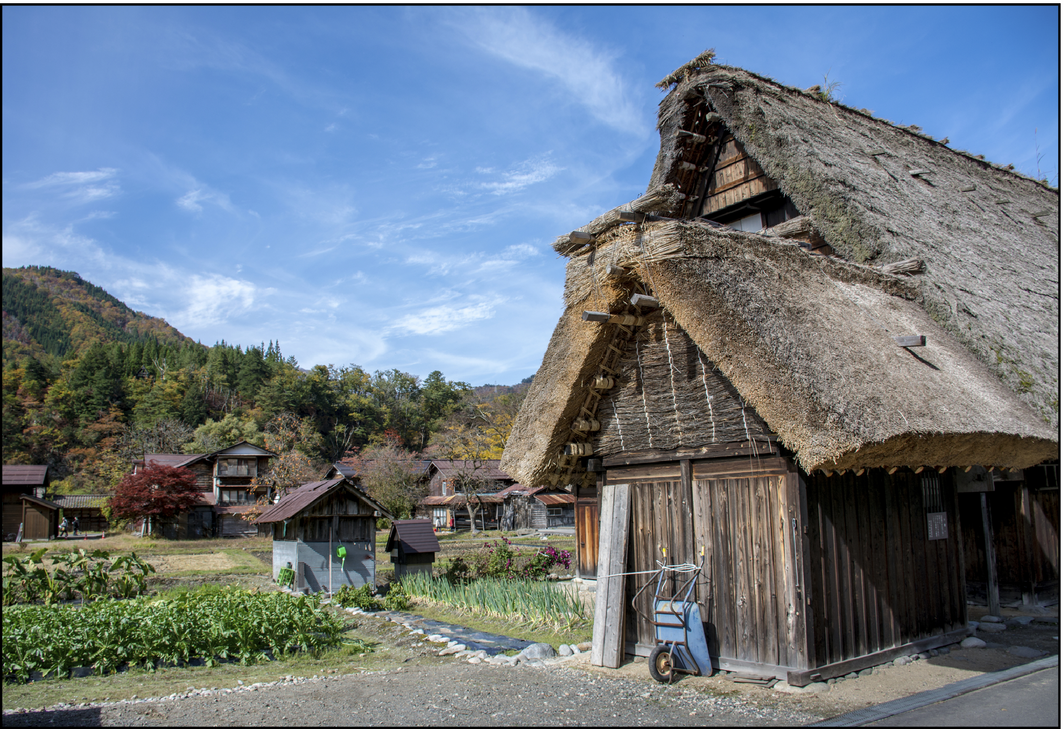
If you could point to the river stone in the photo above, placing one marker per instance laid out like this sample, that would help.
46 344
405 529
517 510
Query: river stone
537 652
991 619
817 687
865 672
576 649
902 661
992 627
1020 620
565 650
1022 651
437 638
972 642
452 650
584 647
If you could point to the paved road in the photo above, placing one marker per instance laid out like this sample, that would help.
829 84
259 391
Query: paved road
1031 700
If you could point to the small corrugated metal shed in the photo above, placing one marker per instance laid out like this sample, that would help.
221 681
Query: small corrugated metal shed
413 546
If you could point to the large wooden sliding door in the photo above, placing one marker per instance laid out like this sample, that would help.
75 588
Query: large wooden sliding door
744 514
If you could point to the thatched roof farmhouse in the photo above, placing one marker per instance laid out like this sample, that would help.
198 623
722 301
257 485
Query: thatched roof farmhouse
788 352
808 340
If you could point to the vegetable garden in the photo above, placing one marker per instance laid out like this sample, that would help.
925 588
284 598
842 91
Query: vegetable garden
105 635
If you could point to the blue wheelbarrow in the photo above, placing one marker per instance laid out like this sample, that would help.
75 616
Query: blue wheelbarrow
678 632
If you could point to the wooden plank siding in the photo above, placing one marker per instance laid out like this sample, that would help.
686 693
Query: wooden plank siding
881 582
1026 537
748 588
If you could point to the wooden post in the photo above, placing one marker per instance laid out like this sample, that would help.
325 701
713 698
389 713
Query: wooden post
607 642
1029 590
330 557
993 600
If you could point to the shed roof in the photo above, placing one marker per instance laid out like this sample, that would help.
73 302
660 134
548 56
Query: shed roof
308 494
413 536
460 500
18 475
50 505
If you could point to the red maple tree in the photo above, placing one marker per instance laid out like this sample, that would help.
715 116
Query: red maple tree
158 492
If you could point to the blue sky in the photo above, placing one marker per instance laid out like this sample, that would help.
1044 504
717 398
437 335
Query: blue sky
381 185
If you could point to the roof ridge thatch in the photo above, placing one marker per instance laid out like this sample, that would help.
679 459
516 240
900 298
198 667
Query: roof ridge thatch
702 60
695 72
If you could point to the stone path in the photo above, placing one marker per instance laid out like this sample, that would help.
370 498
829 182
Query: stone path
475 640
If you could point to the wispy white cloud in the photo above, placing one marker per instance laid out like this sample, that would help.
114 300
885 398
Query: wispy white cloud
527 173
80 187
193 200
447 318
587 72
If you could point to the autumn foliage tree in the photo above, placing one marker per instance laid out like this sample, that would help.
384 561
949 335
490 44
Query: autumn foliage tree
293 441
389 472
156 493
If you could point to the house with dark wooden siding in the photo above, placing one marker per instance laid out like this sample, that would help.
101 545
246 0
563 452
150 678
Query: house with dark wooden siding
446 500
223 480
787 354
19 480
310 524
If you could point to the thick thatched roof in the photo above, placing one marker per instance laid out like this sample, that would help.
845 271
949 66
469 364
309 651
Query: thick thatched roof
879 193
809 341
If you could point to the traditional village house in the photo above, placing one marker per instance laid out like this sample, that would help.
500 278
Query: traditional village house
537 508
326 532
87 508
223 478
787 353
446 502
19 480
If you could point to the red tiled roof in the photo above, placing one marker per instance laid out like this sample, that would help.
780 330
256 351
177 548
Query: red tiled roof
24 475
555 499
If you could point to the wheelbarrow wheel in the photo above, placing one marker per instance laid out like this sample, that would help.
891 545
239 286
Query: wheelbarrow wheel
660 664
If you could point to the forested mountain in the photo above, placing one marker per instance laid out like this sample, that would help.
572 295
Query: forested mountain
89 385
53 312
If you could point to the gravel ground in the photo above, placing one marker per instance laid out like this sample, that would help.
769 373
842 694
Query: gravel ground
454 693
